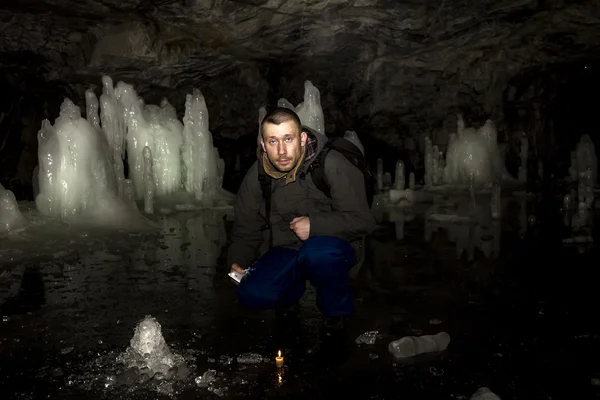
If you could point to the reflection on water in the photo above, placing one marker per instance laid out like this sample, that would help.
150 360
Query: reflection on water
192 241
185 251
86 299
469 225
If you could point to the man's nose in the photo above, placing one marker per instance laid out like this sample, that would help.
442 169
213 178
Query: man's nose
281 149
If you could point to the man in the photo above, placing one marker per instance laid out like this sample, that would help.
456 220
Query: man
314 237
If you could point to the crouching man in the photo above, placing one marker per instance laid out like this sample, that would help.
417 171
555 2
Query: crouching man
288 231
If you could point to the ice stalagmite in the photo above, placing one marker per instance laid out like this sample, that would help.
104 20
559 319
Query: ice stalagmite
167 132
157 128
474 156
113 127
310 110
76 181
10 216
203 167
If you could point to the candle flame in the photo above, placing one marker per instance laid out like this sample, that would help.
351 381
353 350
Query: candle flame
279 353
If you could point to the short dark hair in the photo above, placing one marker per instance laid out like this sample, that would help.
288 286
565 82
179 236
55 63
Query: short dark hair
280 115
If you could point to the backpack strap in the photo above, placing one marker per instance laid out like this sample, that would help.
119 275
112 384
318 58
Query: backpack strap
265 187
317 169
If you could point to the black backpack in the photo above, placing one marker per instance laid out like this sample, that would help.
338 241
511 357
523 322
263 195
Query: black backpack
317 171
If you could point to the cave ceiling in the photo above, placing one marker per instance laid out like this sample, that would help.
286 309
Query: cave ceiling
387 66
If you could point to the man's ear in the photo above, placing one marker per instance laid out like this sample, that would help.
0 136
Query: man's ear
303 138
262 144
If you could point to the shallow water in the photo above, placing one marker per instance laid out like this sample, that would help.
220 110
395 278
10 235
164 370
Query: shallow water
522 324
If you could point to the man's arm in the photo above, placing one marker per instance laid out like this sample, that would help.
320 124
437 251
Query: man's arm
351 216
247 236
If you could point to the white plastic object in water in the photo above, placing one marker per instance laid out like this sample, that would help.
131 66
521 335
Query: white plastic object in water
203 167
410 346
484 393
10 215
149 189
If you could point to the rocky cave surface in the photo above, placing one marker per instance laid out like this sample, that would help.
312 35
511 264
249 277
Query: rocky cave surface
391 70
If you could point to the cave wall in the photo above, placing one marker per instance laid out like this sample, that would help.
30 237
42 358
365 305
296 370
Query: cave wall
395 72
553 105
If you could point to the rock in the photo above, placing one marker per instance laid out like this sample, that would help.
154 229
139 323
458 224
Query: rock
393 70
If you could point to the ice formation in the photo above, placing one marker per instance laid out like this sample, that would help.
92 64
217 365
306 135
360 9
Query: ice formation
352 137
584 159
309 111
484 393
112 118
81 171
202 165
157 128
400 181
75 178
10 216
472 157
149 188
149 353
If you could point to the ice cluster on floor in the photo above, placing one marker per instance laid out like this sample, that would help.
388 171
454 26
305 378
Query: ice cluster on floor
472 157
149 354
80 175
10 216
76 180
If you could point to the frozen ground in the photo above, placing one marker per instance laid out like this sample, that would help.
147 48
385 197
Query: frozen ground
521 322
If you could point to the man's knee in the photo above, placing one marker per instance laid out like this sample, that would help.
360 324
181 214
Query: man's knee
324 253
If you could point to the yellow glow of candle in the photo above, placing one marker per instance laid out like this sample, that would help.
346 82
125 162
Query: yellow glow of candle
279 360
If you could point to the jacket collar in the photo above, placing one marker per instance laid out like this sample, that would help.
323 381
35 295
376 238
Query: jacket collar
276 174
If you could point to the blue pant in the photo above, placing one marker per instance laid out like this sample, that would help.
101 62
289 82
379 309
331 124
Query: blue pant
278 278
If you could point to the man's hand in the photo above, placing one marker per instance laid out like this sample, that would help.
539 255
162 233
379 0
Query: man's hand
238 269
301 227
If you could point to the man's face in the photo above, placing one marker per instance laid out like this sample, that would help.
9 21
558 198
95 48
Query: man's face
283 144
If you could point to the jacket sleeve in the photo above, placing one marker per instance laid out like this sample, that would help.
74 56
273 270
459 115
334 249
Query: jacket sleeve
246 235
351 217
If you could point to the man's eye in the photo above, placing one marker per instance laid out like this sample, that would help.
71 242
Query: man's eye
288 139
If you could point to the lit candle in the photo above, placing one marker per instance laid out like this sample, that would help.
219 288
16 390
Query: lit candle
279 360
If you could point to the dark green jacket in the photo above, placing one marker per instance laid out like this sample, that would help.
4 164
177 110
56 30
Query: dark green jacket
346 215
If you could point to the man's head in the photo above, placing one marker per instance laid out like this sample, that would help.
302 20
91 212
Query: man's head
282 138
